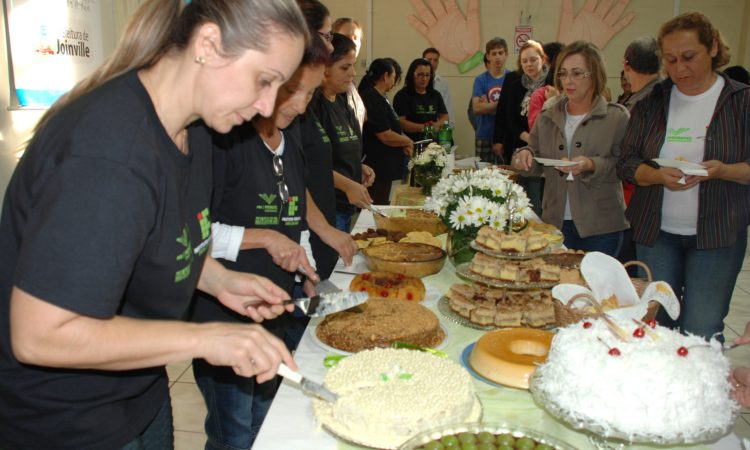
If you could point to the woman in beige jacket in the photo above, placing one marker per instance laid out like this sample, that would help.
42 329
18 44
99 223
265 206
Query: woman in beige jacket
584 197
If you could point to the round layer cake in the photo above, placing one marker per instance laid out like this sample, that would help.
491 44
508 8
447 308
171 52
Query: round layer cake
387 396
380 322
389 285
510 356
658 386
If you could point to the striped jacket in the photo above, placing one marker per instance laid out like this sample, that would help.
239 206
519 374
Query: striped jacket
724 206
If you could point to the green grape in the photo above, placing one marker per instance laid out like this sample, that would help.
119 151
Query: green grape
434 445
486 446
543 447
450 441
468 446
504 447
467 438
525 443
507 440
486 436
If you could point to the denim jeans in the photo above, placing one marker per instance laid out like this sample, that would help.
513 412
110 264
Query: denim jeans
608 243
534 187
702 279
236 406
298 321
343 222
158 435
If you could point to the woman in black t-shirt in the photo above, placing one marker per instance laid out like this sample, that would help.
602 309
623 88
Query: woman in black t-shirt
385 147
418 103
105 229
350 176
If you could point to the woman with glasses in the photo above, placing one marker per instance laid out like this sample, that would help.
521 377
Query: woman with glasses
351 178
260 207
385 147
691 229
418 102
584 199
106 228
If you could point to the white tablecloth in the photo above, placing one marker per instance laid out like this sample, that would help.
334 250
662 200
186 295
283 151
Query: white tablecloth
290 424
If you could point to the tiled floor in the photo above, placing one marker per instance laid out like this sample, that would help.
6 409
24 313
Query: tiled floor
189 410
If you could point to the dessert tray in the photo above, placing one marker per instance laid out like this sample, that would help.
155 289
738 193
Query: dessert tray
314 336
463 272
443 305
508 255
601 433
485 428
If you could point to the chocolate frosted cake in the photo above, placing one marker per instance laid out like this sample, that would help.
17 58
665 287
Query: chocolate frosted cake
380 322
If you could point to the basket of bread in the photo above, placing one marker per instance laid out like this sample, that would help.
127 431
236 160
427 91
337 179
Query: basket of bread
610 290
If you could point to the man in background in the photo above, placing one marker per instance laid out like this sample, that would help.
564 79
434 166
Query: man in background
484 97
641 69
441 84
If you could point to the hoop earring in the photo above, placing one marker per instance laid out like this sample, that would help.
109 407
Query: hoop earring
200 60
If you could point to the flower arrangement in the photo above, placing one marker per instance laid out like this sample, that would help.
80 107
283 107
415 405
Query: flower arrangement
471 199
427 167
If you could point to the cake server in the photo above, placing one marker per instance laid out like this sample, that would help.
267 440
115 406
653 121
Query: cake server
324 304
308 387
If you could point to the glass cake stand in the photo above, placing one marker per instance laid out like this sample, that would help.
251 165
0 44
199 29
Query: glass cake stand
479 427
610 439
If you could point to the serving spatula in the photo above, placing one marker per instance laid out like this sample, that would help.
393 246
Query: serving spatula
308 387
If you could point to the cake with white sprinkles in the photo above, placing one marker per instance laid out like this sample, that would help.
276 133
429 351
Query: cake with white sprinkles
657 385
387 396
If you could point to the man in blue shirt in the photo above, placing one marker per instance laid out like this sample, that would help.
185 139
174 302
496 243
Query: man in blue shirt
485 95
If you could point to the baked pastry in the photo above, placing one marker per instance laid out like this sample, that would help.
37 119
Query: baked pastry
502 308
380 322
408 258
528 240
510 356
389 285
533 270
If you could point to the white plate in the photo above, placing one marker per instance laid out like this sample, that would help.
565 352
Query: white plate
556 162
314 336
686 167
359 265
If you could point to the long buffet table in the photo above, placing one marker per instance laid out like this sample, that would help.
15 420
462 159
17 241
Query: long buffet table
290 424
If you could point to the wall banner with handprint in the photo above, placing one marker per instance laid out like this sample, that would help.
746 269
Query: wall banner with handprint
458 36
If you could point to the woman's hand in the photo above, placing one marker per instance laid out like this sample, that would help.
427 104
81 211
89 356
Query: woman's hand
287 254
522 160
671 179
740 379
342 242
584 165
249 350
358 195
408 149
251 295
368 175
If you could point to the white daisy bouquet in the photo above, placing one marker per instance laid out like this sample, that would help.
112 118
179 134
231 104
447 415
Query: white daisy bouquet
433 158
469 200
472 199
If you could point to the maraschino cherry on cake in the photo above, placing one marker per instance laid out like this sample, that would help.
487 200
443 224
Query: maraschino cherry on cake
389 285
637 381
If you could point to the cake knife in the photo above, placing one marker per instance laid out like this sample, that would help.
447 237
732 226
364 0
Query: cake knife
308 387
324 304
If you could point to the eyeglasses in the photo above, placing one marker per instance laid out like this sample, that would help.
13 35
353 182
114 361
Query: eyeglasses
278 171
327 36
574 74
422 75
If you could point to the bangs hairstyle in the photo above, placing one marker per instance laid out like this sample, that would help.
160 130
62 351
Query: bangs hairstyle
530 44
707 34
409 83
496 42
593 59
342 46
161 26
